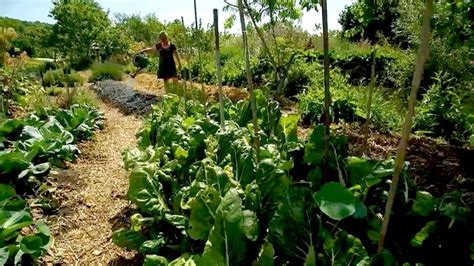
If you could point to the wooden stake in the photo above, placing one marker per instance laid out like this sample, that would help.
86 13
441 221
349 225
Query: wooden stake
185 56
327 92
218 65
402 148
369 100
249 79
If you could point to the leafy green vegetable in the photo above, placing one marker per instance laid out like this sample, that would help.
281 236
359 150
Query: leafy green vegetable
423 234
335 201
128 239
226 242
424 203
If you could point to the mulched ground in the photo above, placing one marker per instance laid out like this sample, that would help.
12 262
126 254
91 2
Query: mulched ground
436 166
92 195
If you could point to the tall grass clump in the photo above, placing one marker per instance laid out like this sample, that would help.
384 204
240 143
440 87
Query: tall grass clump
107 70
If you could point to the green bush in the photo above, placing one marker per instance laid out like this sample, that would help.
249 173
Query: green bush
348 102
82 63
54 78
440 113
59 79
107 70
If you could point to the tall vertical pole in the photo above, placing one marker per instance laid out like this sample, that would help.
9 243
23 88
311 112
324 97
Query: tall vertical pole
199 49
369 100
185 56
423 52
327 92
249 78
218 65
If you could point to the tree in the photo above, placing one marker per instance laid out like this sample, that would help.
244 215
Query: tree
6 36
79 24
265 17
140 29
369 20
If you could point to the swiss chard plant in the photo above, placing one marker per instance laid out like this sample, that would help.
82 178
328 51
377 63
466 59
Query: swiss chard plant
204 197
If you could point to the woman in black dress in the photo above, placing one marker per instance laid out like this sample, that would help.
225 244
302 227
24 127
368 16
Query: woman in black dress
167 66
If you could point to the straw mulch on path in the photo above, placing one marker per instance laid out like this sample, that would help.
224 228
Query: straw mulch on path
94 192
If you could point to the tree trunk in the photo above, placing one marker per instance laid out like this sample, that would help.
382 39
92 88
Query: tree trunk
402 148
327 93
249 79
218 66
369 100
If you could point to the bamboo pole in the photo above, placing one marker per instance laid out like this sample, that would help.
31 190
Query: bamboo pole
402 148
249 78
185 56
199 49
218 65
369 100
327 92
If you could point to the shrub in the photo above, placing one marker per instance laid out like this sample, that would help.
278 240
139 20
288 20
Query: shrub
82 63
59 79
440 113
54 78
105 71
348 102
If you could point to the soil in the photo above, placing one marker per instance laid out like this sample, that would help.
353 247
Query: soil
435 165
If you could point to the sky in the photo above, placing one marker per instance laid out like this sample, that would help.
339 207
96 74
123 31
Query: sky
165 10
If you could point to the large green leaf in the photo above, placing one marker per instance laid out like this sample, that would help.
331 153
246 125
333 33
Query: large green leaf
152 246
6 191
128 239
146 192
250 225
13 221
4 253
424 203
13 162
32 245
423 234
314 147
290 228
335 201
345 249
203 208
155 260
265 255
226 244
288 127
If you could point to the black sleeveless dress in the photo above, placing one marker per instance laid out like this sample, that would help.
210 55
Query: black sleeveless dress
167 66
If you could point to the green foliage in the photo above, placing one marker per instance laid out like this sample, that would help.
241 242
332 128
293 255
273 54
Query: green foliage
59 79
440 112
71 13
16 247
31 146
81 63
205 196
369 20
108 70
32 37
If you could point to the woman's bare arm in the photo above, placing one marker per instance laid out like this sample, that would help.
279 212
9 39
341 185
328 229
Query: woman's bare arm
147 50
